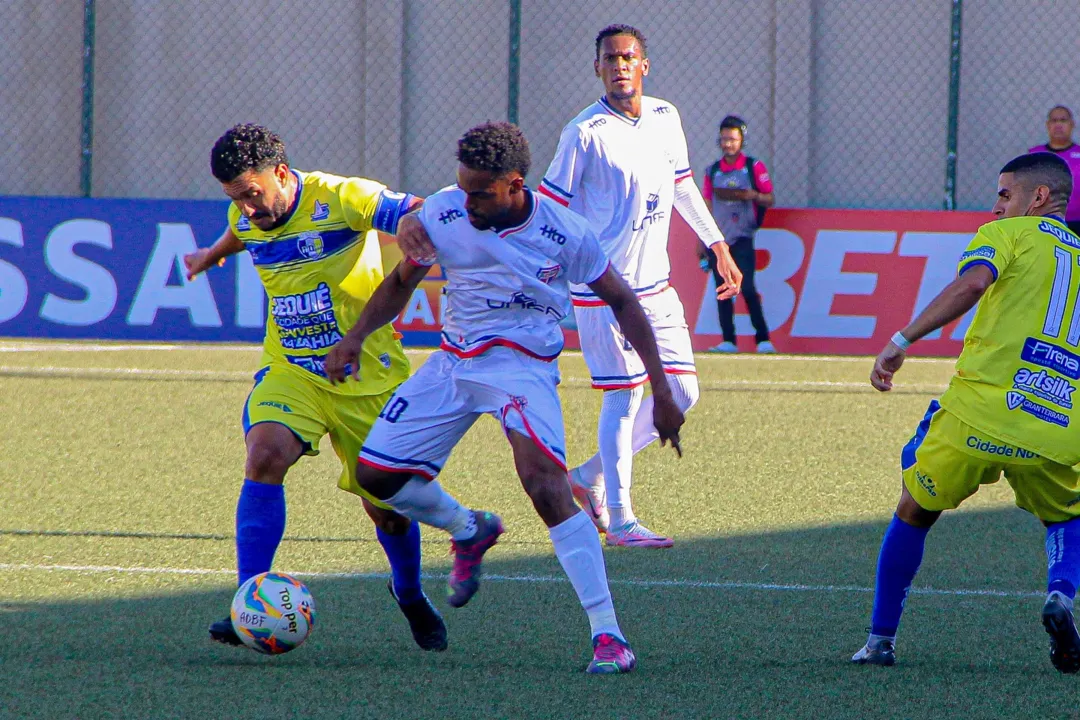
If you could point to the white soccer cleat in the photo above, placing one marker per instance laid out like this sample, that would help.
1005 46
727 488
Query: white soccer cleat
881 652
766 348
724 347
634 534
591 498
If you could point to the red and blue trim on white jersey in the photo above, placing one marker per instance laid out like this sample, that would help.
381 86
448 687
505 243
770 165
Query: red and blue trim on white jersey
483 344
586 298
551 190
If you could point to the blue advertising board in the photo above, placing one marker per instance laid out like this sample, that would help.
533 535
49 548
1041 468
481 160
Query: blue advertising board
113 269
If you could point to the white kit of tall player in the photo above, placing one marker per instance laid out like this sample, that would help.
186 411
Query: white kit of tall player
622 164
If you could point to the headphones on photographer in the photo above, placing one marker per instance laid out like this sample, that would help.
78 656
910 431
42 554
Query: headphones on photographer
733 122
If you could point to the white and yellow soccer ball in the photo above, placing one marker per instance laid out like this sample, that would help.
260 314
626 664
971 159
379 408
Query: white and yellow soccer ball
273 613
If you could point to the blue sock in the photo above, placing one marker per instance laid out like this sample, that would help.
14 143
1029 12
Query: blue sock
1063 557
403 552
901 555
260 525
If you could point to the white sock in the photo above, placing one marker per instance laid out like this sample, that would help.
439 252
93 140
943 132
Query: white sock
425 501
615 438
686 392
875 640
577 545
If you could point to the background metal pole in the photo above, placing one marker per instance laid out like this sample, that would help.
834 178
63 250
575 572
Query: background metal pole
86 142
954 106
514 65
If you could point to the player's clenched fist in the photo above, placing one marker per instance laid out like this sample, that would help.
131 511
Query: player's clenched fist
413 240
343 360
197 262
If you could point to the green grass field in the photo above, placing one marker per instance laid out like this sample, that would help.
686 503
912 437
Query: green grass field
121 468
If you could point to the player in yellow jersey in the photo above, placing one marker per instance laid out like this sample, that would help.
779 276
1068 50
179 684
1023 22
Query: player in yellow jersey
310 238
1009 408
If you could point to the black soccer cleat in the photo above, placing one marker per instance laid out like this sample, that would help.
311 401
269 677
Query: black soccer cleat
428 628
1064 640
221 631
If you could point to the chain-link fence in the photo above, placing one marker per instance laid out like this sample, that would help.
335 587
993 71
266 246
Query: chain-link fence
848 102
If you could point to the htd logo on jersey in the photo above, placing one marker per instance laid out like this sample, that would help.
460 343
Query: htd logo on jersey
1043 385
652 215
547 274
597 123
310 245
552 234
450 216
662 109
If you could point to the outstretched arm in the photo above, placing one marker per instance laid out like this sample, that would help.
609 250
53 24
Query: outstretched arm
957 298
612 289
389 299
205 258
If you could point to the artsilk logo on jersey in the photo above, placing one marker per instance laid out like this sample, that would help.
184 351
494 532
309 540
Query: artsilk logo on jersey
1045 386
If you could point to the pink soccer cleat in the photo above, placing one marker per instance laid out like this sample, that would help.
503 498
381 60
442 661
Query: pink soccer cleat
468 554
634 534
611 655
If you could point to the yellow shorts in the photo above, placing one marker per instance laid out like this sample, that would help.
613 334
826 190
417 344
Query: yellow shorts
279 396
947 460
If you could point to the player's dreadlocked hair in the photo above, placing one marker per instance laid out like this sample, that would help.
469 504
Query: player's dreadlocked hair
246 147
1043 168
613 30
498 147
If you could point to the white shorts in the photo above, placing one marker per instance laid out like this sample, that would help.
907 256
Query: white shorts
431 411
613 364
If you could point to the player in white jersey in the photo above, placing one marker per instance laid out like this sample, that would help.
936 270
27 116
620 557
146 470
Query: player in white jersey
622 164
509 256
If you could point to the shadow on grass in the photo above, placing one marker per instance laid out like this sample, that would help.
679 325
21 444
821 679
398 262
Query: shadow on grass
718 629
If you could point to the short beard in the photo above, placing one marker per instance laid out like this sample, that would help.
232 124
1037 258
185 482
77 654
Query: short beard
616 95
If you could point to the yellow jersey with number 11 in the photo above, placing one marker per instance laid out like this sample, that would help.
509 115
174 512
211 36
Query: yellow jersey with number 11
319 269
1018 373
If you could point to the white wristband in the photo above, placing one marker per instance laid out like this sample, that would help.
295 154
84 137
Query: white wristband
900 341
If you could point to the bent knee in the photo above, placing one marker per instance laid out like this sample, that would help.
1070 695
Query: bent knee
547 488
267 462
687 391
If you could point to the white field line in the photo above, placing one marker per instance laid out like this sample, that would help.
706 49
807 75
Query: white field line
570 380
532 579
198 347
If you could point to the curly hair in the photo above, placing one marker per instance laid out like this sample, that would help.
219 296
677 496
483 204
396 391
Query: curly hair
498 147
613 30
246 147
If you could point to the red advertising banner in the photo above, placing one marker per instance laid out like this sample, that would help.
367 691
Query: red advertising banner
837 282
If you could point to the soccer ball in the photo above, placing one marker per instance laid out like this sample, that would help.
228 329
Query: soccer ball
273 613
